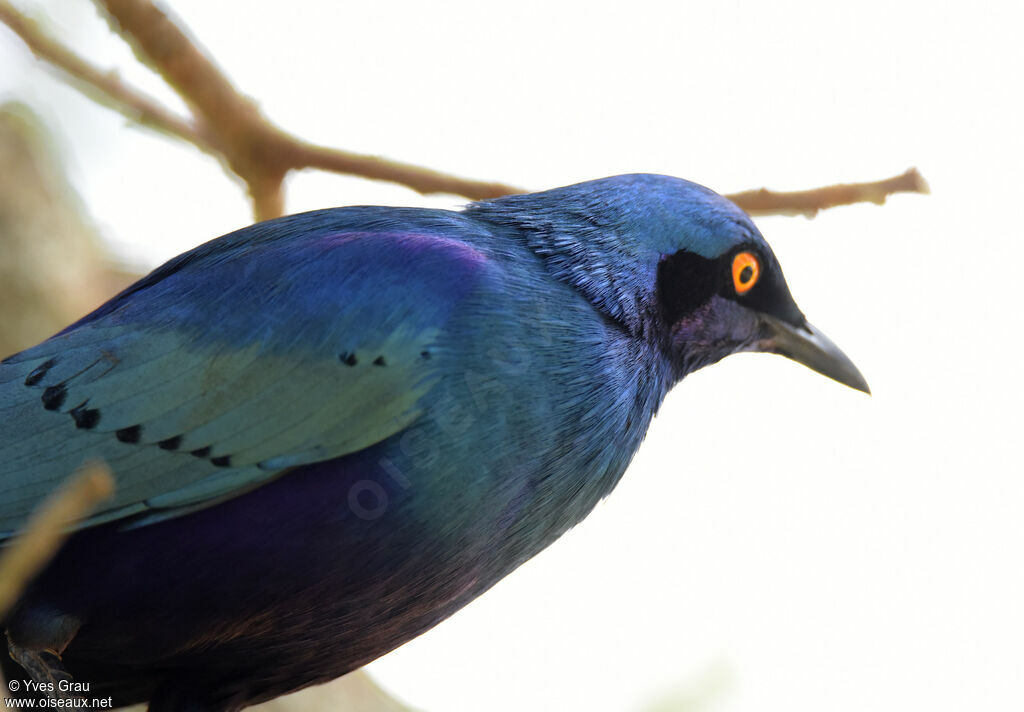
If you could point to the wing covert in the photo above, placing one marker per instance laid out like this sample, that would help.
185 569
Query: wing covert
232 366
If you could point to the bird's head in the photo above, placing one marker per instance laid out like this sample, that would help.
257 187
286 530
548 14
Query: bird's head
673 263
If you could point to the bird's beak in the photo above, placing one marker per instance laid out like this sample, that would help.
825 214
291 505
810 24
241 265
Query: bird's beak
806 345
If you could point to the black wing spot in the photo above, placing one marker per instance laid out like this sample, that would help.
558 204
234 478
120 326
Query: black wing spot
53 397
85 418
379 361
201 452
349 359
170 443
222 461
129 435
39 372
424 355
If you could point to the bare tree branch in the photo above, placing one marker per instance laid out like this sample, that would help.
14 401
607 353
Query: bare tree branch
229 125
420 179
103 87
251 146
809 202
226 124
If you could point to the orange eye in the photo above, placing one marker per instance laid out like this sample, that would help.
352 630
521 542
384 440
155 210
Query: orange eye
745 271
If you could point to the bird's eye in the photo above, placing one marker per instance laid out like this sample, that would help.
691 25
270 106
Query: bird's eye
745 271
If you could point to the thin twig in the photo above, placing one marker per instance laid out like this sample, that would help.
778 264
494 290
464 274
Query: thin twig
420 179
809 202
103 87
35 546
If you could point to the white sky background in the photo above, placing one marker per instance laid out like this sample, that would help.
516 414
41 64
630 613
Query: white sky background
780 542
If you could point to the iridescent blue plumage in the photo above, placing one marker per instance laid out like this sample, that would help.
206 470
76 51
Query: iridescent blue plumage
334 429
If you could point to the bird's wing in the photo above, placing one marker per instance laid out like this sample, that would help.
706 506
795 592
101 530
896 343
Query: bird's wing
229 365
